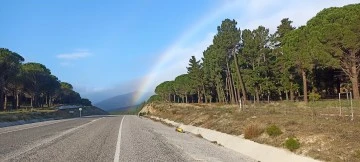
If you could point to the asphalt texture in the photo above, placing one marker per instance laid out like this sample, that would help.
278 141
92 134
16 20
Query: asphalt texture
104 138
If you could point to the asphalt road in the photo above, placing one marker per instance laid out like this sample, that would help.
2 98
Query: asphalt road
107 138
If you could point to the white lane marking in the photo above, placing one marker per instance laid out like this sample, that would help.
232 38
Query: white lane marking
43 142
117 152
35 126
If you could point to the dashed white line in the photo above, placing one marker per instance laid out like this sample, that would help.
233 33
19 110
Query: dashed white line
117 152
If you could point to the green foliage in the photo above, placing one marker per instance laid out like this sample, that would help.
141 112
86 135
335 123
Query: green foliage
256 64
337 29
154 98
273 130
33 81
85 102
314 96
292 144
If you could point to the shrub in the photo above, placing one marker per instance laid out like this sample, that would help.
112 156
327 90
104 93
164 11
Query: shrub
273 130
252 131
314 96
292 144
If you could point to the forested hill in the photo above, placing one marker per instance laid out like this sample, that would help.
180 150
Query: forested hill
32 84
320 59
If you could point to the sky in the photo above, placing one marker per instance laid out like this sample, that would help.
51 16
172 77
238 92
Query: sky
111 47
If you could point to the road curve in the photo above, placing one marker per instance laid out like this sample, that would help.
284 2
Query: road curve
107 138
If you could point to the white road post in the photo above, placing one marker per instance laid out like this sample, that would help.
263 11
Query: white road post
80 109
340 102
351 105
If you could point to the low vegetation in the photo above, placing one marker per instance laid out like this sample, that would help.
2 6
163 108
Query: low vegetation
326 136
292 144
273 130
252 131
47 113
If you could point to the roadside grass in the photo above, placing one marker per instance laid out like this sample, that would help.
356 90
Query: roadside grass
27 114
321 132
27 111
45 113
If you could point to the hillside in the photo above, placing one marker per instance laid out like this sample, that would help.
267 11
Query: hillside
121 102
321 132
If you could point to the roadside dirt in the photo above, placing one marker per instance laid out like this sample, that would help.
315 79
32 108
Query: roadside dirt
327 138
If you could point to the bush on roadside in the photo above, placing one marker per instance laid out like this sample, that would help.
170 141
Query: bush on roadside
273 130
292 144
252 131
314 96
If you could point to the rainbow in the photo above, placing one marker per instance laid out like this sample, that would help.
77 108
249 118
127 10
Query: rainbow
166 56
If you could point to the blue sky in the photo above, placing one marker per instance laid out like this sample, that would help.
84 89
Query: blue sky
111 47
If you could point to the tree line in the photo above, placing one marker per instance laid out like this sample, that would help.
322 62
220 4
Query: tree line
320 58
32 84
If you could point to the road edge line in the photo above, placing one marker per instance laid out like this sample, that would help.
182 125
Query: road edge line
117 151
45 141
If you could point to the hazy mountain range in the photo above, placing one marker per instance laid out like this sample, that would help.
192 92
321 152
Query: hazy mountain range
121 102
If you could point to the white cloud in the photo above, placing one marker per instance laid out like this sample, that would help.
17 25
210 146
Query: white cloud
77 54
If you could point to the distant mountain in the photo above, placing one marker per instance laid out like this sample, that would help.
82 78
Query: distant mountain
121 102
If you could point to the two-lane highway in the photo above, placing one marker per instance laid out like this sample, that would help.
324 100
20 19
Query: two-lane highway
107 138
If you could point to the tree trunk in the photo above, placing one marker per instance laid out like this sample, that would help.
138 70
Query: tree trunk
199 97
50 101
204 93
303 74
5 102
31 101
268 97
218 93
280 96
236 95
2 85
292 96
227 89
231 90
231 84
355 83
257 95
287 95
46 101
13 101
17 100
243 90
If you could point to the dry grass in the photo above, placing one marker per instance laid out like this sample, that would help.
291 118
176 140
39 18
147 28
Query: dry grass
322 133
253 131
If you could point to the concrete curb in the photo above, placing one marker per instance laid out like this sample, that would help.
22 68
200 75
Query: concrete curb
260 152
